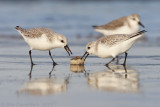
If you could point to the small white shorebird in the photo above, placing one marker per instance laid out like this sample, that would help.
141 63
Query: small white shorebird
124 25
43 39
112 45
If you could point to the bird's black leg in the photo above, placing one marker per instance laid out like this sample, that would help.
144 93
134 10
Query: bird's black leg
52 59
110 68
125 71
109 62
30 54
125 58
51 71
30 73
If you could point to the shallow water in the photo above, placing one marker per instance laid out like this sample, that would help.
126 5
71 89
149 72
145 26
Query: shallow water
90 85
82 86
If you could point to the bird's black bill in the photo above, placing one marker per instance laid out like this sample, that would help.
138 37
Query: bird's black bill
141 24
68 50
85 55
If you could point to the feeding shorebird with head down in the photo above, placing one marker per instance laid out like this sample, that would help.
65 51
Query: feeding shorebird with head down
43 39
112 45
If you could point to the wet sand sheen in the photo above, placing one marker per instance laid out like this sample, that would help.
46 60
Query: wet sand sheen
93 83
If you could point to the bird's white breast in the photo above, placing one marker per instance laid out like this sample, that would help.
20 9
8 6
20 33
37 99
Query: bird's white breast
40 43
125 29
105 51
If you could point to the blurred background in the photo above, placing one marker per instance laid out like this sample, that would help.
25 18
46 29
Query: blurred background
93 85
74 18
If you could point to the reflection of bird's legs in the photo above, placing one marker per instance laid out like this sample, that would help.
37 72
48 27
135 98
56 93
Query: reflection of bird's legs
67 79
85 73
30 73
110 68
125 71
51 70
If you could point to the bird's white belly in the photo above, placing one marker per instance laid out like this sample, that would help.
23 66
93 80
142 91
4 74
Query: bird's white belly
124 46
121 48
121 30
40 43
103 51
115 50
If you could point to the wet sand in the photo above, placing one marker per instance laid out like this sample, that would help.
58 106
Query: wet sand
91 85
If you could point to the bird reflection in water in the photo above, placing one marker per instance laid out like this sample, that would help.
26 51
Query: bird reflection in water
50 73
45 86
116 79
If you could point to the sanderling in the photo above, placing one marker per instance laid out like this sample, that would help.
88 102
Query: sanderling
43 39
124 25
112 45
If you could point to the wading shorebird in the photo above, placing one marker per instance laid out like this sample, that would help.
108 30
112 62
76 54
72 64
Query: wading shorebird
124 25
43 39
112 45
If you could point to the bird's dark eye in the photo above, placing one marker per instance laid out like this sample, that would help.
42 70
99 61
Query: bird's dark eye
62 41
89 47
134 19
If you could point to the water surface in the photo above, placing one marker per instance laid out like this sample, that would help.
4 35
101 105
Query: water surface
82 86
